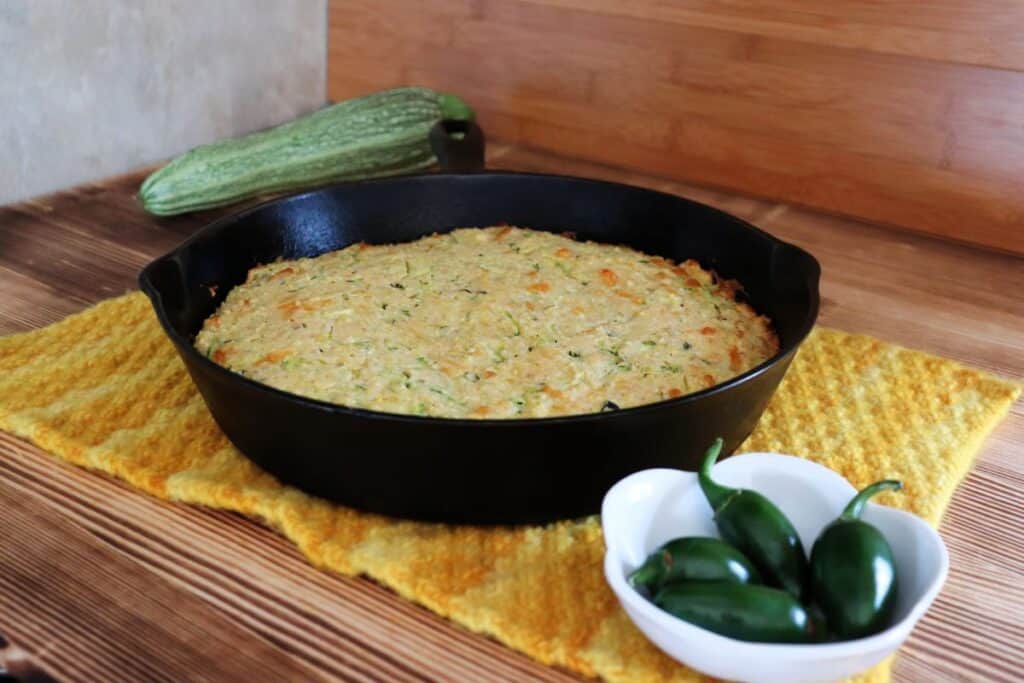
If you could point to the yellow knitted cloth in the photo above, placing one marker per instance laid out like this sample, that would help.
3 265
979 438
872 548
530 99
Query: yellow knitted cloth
105 390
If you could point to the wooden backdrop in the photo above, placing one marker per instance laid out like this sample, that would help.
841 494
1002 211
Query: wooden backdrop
901 112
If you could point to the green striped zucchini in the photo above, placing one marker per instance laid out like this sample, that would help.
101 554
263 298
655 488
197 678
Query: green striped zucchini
385 133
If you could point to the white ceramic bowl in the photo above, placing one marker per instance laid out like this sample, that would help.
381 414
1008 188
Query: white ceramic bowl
653 506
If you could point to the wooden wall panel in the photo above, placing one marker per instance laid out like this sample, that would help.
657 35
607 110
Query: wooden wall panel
901 112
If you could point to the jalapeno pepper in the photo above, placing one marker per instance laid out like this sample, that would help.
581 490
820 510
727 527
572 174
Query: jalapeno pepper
694 558
853 575
737 610
757 528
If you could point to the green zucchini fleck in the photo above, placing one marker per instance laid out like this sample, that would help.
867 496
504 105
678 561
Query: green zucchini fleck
515 324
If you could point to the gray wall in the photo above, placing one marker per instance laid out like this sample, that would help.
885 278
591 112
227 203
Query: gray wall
91 88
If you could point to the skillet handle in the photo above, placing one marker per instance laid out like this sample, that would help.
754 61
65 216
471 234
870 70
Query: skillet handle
458 145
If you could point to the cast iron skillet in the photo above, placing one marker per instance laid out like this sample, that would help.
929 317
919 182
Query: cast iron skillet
476 471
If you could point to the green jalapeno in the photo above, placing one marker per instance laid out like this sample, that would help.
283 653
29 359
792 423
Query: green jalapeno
694 558
853 575
737 610
757 528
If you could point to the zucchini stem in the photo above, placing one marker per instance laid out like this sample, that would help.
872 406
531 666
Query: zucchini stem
454 107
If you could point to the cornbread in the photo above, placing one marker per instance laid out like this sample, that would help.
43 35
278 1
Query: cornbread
498 322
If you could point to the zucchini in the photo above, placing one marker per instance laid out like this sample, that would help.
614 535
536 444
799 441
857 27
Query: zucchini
385 133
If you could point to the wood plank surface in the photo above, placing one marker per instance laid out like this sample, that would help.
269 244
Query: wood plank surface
175 574
57 579
270 603
903 113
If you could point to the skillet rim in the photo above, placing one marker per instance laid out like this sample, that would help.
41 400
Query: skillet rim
211 231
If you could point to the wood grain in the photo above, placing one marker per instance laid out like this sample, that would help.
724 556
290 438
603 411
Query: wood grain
338 628
57 580
901 113
93 542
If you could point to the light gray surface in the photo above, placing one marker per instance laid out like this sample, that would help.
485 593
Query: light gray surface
90 88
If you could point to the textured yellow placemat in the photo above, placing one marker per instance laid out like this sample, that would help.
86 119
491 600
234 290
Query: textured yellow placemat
105 390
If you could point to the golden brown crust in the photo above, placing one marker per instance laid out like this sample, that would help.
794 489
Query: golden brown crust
492 322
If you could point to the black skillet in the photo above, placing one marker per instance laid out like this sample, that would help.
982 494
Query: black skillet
477 471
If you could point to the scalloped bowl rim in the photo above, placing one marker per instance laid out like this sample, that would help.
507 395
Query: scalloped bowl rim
639 609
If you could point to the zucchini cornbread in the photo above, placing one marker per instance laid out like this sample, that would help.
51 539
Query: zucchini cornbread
498 322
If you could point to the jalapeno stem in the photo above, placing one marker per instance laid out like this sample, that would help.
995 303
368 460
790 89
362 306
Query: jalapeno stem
856 506
716 494
643 576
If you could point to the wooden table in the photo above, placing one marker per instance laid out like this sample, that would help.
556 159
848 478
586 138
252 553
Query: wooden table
103 583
